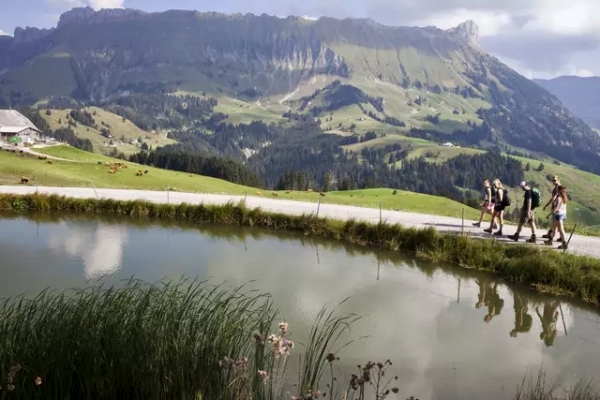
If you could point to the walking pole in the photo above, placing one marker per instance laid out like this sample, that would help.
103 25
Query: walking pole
563 319
569 241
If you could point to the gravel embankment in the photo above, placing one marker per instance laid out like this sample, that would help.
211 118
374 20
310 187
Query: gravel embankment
579 244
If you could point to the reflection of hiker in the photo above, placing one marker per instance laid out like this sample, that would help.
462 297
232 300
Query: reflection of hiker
548 322
487 206
523 320
488 295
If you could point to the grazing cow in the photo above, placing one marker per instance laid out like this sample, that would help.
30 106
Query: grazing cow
146 171
322 194
24 179
48 162
274 193
258 193
191 176
139 173
309 190
288 191
99 162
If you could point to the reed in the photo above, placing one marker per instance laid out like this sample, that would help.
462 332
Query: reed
168 340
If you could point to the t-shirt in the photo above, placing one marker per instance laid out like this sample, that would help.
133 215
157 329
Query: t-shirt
528 196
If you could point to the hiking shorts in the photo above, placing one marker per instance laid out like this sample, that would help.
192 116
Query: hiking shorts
527 217
559 217
488 206
499 207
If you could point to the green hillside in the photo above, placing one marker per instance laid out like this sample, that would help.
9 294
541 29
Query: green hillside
88 171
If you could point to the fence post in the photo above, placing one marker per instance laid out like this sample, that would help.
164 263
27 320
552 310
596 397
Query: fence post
463 221
245 195
167 194
569 241
94 187
318 207
36 185
380 217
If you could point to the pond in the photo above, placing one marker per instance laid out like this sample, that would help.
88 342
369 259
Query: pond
451 333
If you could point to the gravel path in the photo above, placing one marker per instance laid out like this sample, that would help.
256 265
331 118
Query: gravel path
579 244
31 151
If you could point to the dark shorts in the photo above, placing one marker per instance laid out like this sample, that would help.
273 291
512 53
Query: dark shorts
499 207
526 217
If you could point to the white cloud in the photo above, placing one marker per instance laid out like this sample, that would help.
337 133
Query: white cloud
95 4
2 33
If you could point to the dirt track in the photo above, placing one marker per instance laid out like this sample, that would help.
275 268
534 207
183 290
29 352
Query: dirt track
579 244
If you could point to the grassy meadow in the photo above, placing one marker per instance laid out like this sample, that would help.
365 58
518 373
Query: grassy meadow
123 131
88 172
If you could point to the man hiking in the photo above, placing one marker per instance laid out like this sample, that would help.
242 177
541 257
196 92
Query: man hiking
556 183
487 207
531 200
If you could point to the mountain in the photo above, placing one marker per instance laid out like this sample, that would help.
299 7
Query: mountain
580 95
355 75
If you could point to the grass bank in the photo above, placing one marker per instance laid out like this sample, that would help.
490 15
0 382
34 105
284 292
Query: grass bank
544 269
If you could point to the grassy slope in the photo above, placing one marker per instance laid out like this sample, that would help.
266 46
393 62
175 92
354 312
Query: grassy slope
119 129
82 174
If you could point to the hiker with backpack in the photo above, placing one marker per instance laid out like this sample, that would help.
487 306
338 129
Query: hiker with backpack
487 206
559 216
532 199
501 201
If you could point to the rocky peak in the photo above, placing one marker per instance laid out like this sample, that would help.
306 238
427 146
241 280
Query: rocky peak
89 16
30 34
467 31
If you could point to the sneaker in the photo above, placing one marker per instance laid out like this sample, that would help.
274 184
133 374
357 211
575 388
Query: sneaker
488 230
497 233
546 236
531 239
477 224
514 237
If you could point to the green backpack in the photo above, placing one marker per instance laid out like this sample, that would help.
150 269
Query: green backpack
536 198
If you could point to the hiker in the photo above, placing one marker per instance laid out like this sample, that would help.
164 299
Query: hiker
559 216
531 200
487 206
556 183
501 201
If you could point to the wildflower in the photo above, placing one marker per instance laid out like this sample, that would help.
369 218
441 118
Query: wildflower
283 327
264 375
37 381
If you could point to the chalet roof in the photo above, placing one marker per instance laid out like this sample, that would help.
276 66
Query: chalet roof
12 121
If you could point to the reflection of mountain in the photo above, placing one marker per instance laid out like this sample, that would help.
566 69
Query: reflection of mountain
100 249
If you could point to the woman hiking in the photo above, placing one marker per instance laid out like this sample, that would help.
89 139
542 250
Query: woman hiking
487 206
559 216
499 206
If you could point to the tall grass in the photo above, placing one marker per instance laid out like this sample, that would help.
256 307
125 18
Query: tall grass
541 389
184 340
544 269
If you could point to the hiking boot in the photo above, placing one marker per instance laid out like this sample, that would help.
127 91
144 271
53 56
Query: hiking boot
498 233
548 242
546 236
477 225
514 237
562 247
531 239
495 226
488 230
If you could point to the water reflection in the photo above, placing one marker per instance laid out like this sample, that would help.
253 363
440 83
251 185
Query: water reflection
100 249
523 320
427 318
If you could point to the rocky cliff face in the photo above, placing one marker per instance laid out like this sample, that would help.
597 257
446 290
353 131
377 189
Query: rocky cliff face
467 31
87 15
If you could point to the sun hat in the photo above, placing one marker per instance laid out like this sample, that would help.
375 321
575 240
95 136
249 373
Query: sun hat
523 184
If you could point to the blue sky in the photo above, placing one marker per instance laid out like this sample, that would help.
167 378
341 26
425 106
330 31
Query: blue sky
538 38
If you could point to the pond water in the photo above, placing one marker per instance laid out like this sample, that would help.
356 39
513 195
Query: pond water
451 333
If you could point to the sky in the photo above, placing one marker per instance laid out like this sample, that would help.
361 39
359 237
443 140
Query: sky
538 38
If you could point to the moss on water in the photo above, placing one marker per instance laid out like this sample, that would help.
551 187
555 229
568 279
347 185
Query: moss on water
545 269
